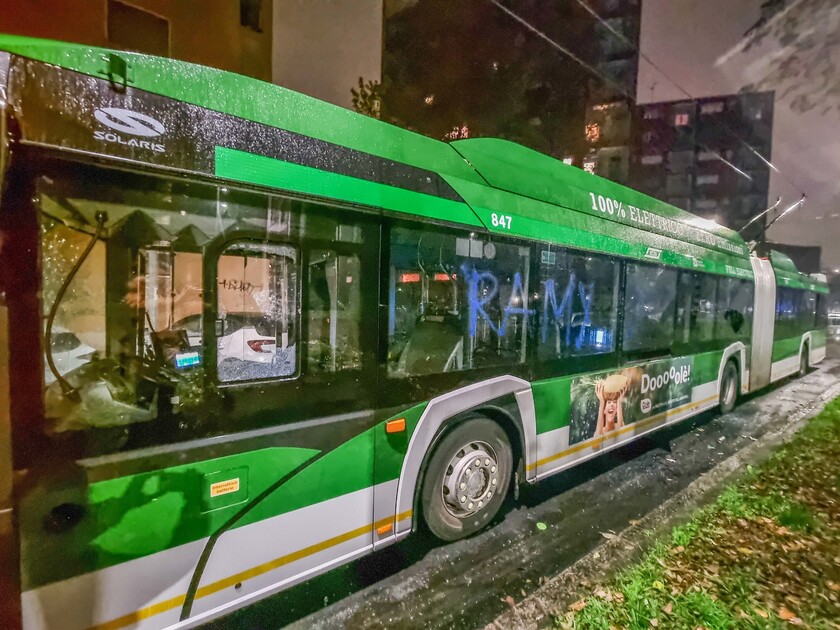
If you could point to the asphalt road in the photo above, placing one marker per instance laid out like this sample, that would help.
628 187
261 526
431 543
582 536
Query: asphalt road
421 583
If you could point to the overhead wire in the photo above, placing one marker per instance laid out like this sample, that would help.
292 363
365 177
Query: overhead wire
632 97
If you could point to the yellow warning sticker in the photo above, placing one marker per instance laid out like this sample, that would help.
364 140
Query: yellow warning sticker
224 487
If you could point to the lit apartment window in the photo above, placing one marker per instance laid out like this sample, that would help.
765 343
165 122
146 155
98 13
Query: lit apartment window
681 120
707 180
706 204
134 29
593 132
249 14
715 107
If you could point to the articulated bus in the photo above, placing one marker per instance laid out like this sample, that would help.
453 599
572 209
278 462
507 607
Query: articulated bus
247 336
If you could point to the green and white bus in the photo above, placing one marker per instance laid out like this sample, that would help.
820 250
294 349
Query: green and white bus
247 336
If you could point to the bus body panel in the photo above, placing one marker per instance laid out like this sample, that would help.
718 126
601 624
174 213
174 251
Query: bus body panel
764 315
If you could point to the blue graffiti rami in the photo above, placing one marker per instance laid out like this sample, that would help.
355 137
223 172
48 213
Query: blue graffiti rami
483 287
517 303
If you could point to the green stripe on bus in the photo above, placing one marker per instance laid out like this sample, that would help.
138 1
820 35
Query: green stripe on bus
251 99
263 171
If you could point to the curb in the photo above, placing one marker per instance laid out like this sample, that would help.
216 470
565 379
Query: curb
553 597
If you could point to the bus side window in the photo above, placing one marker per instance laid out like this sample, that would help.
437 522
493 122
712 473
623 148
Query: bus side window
457 301
333 310
649 308
578 304
733 319
256 330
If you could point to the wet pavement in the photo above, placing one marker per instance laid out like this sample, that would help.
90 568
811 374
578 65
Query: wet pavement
421 583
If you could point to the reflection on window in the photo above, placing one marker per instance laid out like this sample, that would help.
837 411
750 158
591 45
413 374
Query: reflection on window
649 307
333 312
257 312
78 329
456 302
578 304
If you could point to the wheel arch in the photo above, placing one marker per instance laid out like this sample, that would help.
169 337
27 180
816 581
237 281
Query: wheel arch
736 352
450 409
806 341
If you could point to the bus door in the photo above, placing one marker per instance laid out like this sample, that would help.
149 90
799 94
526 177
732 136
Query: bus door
293 320
764 316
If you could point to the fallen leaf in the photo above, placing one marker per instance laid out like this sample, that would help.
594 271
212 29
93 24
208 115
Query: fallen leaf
742 614
509 601
609 535
745 551
634 522
832 585
786 614
578 605
654 622
658 585
667 610
761 613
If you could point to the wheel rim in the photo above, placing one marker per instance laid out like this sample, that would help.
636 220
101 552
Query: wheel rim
471 479
729 391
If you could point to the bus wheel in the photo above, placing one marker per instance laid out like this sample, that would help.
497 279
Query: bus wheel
803 361
467 479
729 387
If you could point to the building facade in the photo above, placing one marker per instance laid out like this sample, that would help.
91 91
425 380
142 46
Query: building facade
610 111
698 155
467 69
234 36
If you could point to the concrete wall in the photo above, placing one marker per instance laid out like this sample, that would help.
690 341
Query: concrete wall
201 31
322 47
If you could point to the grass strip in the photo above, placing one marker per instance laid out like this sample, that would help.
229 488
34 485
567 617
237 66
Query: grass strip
765 554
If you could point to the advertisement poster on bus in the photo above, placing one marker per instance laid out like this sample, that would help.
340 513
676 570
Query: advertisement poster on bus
607 402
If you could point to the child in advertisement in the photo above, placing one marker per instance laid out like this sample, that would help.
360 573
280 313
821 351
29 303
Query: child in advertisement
611 392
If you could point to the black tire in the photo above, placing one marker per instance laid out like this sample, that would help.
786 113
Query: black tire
452 464
803 361
730 385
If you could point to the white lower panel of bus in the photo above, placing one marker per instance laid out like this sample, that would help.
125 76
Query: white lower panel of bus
261 558
783 368
554 453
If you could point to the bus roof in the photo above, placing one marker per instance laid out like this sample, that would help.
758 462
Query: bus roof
538 196
789 276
